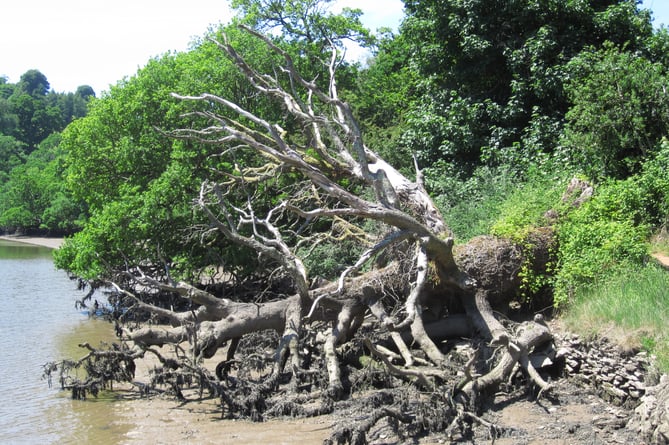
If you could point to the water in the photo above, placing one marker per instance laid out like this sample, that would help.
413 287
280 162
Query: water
38 324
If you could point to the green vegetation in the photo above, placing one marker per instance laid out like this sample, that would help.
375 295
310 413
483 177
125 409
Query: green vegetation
631 307
500 110
33 195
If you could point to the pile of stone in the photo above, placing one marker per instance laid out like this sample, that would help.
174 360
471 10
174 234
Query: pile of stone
624 378
620 377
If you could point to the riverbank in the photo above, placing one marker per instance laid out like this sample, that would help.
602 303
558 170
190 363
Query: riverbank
51 243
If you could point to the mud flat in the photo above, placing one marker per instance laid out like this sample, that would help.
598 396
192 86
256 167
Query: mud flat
51 243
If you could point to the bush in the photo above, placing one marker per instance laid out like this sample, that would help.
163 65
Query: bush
620 111
328 260
524 209
605 234
471 206
520 215
654 182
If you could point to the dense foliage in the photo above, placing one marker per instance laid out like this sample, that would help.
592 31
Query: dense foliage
498 102
493 74
33 196
139 182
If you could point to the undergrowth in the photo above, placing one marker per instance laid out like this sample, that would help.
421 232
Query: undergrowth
631 307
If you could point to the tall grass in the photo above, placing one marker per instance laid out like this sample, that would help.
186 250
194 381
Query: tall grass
471 207
632 307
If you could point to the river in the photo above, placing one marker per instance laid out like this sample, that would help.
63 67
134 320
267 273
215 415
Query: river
38 324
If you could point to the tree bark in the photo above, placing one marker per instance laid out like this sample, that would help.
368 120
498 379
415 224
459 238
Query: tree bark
423 273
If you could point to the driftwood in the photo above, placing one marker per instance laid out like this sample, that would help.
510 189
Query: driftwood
410 290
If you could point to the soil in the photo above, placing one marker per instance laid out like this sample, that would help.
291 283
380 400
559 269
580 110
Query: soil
163 421
573 413
662 259
575 416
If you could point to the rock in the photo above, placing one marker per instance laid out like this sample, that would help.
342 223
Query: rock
563 353
651 418
615 392
541 360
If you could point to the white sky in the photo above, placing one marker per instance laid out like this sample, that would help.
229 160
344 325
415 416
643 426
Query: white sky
98 42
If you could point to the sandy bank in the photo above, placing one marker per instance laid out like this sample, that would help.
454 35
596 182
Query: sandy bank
52 243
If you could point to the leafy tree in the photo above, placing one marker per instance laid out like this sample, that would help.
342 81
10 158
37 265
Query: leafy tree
34 198
72 105
385 88
9 121
11 155
30 112
270 192
131 174
493 73
307 23
36 117
34 83
85 92
137 181
32 190
6 88
620 111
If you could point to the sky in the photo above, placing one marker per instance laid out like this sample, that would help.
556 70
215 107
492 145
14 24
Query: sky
660 9
99 42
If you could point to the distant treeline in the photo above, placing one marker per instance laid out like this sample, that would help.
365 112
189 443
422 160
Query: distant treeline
32 196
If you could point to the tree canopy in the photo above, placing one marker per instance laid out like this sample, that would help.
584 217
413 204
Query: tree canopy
493 73
31 162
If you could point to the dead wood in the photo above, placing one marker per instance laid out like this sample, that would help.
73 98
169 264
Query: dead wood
387 319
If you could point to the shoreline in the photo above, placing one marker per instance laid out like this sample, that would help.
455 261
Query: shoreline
130 419
51 243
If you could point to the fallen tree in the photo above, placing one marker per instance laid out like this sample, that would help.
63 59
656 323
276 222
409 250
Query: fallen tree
387 319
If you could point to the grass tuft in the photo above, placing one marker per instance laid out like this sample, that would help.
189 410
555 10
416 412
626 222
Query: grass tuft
632 308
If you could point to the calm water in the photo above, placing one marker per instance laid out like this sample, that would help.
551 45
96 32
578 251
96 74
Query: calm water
39 323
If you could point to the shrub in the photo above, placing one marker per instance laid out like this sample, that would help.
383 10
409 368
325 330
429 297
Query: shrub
605 234
471 206
520 215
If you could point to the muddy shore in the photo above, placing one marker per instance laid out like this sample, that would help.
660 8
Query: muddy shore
575 414
163 420
51 243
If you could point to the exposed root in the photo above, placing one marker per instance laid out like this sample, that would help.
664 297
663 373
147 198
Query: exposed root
529 335
357 434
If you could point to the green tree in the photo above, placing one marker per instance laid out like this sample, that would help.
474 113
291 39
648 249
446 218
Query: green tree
493 72
30 112
11 155
133 175
33 198
32 191
308 23
385 88
620 111
37 116
137 180
34 83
